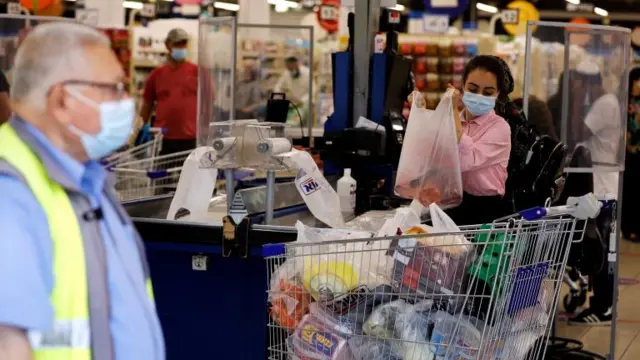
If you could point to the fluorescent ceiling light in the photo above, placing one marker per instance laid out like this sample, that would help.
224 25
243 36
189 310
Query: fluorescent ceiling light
486 8
600 11
398 7
226 6
283 3
574 2
133 5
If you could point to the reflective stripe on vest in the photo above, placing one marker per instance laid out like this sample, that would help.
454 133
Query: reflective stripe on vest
70 337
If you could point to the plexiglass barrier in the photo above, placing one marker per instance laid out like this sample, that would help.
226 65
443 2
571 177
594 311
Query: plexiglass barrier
586 80
216 64
275 58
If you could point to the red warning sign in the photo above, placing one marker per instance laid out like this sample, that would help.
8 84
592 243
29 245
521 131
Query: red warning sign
328 14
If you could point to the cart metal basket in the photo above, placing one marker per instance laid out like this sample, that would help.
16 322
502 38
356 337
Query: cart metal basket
148 177
486 292
147 150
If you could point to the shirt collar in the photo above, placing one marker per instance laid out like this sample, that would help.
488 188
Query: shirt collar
479 119
89 177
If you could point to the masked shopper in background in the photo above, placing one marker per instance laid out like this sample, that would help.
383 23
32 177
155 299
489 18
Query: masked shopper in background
172 90
484 140
74 282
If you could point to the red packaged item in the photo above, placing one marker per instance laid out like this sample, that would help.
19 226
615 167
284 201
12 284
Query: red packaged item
458 65
421 82
290 305
405 48
420 49
421 65
459 47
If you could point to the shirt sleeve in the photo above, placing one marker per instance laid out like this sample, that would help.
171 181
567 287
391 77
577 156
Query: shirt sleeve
4 83
490 149
26 276
604 114
149 93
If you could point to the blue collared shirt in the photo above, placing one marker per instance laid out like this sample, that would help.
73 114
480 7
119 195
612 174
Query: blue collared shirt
26 262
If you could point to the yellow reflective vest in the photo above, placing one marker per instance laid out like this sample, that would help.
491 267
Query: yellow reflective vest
70 338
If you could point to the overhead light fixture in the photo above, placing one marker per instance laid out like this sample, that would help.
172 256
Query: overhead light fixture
283 3
486 8
574 2
133 5
600 11
226 6
398 7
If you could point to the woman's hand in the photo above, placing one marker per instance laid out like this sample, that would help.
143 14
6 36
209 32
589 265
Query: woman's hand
457 98
420 101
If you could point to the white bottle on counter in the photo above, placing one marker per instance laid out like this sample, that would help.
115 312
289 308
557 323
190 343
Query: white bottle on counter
347 194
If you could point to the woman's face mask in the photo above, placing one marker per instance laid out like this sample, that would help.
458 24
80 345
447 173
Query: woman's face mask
477 104
480 92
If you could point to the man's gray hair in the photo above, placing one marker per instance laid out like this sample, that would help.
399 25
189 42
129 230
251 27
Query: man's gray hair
50 54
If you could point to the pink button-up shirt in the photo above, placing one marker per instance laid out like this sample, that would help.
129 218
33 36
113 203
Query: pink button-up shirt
484 150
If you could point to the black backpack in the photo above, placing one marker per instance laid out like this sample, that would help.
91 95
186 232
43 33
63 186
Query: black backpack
534 163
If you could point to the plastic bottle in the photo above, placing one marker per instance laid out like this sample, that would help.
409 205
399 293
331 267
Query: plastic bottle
347 194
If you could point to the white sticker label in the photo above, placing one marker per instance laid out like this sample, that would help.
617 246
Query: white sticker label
437 24
510 16
87 16
329 13
14 8
148 10
199 262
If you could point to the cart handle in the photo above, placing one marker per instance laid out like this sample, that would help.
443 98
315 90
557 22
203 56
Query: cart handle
582 208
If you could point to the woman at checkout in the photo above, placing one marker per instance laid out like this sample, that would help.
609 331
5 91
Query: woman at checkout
484 140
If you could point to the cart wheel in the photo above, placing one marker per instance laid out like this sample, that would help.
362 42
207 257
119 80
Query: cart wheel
573 301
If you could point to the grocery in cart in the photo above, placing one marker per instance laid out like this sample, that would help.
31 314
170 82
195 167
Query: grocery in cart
429 292
148 177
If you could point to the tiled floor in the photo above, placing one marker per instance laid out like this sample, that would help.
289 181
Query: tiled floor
628 334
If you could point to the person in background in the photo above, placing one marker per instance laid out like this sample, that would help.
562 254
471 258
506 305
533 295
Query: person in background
539 116
600 133
74 281
554 103
172 90
631 192
5 107
484 140
249 95
294 82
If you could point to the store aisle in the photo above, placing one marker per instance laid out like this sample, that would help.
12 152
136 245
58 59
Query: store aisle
596 339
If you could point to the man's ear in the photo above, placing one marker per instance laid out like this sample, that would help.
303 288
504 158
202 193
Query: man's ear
56 104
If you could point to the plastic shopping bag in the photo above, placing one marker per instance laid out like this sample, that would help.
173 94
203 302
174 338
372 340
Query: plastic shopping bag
429 168
321 199
195 187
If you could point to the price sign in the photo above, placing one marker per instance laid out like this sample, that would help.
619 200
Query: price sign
148 10
87 16
14 8
394 17
510 16
328 15
438 24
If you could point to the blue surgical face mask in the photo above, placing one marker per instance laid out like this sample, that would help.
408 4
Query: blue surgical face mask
116 125
178 54
477 104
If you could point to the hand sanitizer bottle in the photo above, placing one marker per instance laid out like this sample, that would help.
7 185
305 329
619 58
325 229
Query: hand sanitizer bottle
347 194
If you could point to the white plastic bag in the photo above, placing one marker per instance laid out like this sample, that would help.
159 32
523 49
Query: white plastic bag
195 187
429 167
321 199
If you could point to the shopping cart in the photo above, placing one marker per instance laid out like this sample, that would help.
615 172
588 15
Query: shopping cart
143 151
486 292
148 177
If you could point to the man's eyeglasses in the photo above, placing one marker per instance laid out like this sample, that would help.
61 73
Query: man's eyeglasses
118 90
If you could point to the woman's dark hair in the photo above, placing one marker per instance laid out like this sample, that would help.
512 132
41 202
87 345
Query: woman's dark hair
497 67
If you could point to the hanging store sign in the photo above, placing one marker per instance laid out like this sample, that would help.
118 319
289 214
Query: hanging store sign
526 12
580 7
451 8
87 16
328 15
14 8
436 24
510 16
148 10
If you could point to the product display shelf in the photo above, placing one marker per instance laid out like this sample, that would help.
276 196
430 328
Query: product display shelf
439 60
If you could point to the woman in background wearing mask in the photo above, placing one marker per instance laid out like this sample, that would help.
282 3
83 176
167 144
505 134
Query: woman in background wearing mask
172 90
484 141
